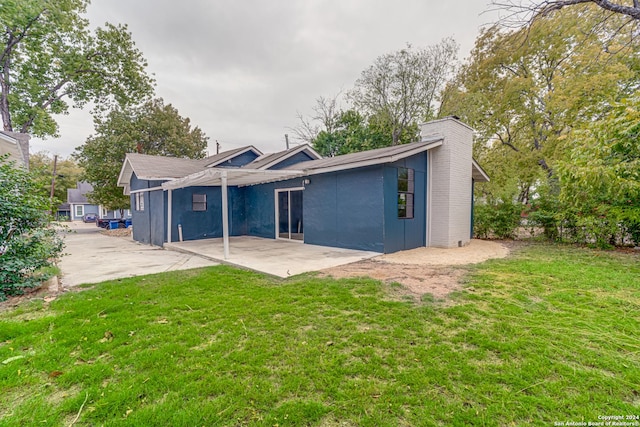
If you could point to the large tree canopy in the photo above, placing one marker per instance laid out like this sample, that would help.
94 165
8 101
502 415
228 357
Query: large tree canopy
403 87
50 59
600 177
153 128
525 90
554 105
400 90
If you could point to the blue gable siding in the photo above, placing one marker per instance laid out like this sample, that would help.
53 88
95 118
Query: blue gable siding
296 158
239 160
149 225
401 234
345 209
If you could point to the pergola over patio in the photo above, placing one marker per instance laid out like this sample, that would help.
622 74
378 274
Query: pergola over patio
223 177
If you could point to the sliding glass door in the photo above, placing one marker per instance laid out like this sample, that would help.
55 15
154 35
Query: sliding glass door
289 214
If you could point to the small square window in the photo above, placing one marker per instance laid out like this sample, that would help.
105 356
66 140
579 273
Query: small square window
199 202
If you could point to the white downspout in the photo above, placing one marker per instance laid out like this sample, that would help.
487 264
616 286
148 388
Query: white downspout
169 209
225 215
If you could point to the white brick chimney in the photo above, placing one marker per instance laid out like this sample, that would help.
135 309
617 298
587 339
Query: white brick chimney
449 185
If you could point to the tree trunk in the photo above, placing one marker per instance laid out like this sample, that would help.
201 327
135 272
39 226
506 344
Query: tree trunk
4 94
395 137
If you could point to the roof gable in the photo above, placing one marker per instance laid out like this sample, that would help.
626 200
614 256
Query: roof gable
270 161
17 150
78 195
477 173
228 156
162 168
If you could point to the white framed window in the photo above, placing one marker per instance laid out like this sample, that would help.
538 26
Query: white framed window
199 202
139 201
79 210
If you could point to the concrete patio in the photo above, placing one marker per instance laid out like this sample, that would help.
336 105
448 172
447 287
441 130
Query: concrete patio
282 258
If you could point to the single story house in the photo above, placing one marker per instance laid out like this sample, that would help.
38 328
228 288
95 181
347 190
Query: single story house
383 200
79 205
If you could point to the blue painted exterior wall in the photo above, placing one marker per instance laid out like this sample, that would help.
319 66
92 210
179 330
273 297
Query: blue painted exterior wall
86 209
148 225
354 209
206 224
404 233
239 160
296 158
196 225
260 207
346 209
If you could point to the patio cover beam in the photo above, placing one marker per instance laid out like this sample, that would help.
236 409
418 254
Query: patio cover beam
224 177
235 177
225 215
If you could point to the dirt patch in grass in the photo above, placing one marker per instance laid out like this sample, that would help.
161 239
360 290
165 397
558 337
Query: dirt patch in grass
47 292
416 280
423 271
118 232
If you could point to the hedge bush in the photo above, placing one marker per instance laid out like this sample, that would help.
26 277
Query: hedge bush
27 242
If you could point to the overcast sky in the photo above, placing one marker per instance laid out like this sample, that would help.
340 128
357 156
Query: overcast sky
242 70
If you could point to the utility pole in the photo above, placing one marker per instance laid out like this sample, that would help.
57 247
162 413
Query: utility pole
53 182
217 147
286 138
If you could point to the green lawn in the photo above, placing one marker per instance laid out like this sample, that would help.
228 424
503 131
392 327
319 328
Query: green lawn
548 335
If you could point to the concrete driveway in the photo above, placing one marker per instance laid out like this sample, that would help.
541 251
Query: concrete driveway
92 257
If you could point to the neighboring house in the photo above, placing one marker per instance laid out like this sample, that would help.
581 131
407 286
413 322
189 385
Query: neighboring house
78 205
64 212
384 200
16 145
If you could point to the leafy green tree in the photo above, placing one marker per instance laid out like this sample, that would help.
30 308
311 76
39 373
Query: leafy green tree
601 176
27 243
525 90
153 128
351 133
403 88
530 11
49 59
68 173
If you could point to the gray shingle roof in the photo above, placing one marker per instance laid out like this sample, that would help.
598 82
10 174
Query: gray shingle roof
78 195
159 167
379 155
16 145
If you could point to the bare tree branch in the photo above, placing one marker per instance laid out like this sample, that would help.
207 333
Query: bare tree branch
325 117
528 12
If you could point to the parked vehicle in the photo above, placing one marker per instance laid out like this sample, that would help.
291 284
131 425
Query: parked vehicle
89 217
